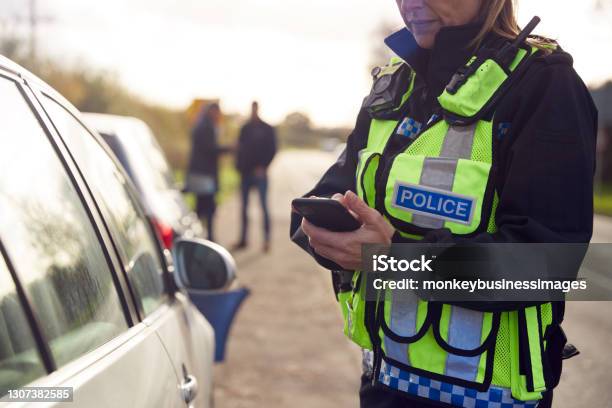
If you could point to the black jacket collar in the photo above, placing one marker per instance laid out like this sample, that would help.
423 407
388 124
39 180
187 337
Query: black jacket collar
436 66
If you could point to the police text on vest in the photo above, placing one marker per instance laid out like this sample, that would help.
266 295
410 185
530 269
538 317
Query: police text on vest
433 202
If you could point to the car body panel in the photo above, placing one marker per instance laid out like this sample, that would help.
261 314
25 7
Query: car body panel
131 370
135 368
189 340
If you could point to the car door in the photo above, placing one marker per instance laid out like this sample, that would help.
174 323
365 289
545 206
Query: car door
57 252
160 309
20 360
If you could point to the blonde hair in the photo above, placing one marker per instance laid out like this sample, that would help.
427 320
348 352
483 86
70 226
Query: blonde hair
499 17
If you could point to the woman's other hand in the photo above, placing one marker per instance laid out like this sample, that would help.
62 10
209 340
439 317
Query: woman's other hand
344 248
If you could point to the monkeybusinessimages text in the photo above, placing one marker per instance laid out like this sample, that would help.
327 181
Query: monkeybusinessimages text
385 263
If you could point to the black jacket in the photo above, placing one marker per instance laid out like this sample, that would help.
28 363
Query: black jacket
205 150
256 146
544 159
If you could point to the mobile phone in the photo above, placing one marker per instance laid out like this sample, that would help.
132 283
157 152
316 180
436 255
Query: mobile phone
326 213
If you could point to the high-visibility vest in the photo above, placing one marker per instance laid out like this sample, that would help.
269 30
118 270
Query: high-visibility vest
443 342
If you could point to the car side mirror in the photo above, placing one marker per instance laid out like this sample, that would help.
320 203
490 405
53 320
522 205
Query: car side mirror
202 265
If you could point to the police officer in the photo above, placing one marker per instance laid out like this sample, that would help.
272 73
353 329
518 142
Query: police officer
469 109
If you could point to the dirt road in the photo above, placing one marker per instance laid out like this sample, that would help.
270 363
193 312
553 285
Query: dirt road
286 348
586 380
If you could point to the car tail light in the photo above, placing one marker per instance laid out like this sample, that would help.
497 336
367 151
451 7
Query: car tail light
166 233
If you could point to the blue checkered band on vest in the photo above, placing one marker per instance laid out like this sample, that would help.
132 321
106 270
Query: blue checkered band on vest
409 128
451 394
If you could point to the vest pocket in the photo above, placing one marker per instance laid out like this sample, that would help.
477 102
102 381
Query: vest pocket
466 332
406 318
469 337
352 304
527 354
442 342
366 174
476 93
426 193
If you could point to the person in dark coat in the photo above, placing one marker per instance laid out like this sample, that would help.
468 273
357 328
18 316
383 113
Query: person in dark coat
203 172
256 149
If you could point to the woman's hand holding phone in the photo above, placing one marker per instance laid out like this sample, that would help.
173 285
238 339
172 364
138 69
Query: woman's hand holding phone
344 248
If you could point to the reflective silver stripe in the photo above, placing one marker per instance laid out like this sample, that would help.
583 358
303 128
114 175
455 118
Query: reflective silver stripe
464 332
458 142
465 326
396 351
439 172
403 314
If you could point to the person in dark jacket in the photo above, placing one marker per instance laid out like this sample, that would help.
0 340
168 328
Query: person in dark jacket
255 151
203 171
544 134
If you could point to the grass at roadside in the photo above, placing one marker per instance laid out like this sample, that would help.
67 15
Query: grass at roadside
603 202
229 179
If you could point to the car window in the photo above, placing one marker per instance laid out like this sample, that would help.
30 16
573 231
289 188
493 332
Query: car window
20 362
113 142
136 245
147 158
49 238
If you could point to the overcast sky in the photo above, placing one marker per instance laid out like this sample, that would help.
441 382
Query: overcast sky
306 55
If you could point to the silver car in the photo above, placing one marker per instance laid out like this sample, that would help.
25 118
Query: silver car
89 299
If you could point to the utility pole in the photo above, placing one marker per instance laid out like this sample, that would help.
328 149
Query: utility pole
33 20
33 23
